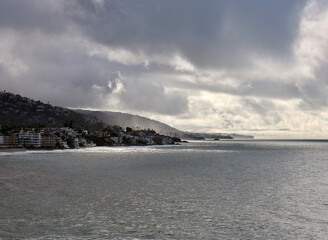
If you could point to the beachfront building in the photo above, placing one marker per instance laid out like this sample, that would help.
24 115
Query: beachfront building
148 140
48 141
167 140
76 142
11 140
29 139
62 144
116 140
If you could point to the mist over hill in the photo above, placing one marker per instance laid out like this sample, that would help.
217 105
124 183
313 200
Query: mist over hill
134 121
138 122
16 110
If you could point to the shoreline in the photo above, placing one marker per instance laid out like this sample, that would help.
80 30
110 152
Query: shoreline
10 150
14 150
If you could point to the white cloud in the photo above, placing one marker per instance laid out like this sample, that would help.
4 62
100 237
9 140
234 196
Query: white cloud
311 46
122 56
99 3
12 64
115 84
180 64
251 77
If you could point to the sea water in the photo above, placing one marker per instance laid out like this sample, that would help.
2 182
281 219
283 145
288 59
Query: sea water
199 190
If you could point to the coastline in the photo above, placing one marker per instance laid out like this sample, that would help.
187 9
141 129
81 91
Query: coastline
18 150
13 150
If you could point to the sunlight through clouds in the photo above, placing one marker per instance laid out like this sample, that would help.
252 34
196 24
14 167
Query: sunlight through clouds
198 67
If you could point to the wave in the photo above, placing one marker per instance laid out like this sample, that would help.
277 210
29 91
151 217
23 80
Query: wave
118 149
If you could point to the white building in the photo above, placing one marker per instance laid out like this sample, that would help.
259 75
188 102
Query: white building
116 140
29 139
148 140
167 140
82 141
76 142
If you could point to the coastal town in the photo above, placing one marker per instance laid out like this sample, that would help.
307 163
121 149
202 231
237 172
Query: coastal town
67 138
29 124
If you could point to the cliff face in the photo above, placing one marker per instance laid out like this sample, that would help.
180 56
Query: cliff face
16 110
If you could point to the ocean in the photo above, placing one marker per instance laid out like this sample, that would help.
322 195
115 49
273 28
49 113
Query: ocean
198 190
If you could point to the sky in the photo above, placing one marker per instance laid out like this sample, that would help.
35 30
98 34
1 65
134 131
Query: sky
250 67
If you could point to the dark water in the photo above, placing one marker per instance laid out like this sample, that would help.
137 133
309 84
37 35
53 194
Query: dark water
209 190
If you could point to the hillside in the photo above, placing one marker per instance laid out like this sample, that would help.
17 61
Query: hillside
134 121
16 110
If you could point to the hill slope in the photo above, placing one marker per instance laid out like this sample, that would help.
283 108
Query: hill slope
16 110
134 121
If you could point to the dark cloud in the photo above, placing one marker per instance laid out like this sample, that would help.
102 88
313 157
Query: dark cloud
214 63
25 16
209 34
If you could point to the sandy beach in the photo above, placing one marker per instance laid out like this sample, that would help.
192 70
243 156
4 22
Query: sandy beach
23 149
13 149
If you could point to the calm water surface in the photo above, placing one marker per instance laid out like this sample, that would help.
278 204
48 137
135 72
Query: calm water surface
200 190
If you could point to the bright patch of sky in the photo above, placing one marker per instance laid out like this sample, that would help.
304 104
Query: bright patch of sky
251 67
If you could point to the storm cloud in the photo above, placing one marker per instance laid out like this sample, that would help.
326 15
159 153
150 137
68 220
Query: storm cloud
215 66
